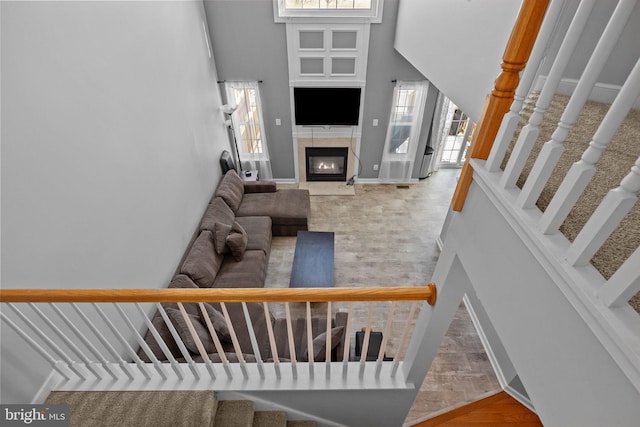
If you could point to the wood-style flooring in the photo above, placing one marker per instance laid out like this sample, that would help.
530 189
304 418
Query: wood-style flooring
386 235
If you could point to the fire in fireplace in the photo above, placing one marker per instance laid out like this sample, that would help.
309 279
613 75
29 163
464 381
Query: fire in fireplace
326 163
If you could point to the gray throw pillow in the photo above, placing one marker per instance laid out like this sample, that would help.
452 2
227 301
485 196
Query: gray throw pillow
220 233
320 345
237 241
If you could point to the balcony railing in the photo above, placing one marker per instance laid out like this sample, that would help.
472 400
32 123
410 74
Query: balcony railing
96 337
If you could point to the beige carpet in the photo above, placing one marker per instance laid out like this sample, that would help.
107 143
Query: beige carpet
618 158
328 188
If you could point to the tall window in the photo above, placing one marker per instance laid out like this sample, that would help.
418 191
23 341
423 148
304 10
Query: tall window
248 127
401 144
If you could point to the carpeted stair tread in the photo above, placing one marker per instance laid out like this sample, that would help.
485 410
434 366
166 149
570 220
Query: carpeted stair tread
270 419
301 423
137 408
234 413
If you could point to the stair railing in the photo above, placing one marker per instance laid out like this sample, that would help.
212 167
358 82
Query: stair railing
68 326
602 297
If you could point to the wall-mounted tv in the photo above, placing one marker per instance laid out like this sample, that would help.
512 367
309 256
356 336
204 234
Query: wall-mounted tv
326 106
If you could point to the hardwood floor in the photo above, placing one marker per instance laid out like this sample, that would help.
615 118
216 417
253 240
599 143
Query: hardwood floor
499 409
386 236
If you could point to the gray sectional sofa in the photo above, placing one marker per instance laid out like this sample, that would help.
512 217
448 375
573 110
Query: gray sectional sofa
232 250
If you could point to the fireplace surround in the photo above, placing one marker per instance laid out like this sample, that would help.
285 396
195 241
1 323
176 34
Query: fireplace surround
326 163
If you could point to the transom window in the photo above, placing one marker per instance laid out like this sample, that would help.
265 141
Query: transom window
328 4
362 10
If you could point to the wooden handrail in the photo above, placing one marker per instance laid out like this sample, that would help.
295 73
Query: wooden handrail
516 55
418 293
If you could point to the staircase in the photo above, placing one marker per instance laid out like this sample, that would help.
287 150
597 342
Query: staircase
166 408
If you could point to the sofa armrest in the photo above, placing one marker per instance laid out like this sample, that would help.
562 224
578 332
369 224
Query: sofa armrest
259 187
341 320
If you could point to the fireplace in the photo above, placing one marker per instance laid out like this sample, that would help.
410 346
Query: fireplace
326 163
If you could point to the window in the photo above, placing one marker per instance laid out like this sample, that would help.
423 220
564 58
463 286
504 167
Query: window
401 145
369 10
328 4
248 126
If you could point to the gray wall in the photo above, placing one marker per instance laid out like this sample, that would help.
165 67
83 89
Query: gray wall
248 44
111 134
621 60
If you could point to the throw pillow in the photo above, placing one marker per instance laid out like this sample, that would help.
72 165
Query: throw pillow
218 321
220 233
237 241
183 330
320 345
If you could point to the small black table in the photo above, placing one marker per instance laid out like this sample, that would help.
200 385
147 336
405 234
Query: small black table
313 260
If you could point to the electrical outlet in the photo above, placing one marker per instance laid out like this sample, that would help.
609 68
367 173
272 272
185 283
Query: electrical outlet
375 167
278 122
375 122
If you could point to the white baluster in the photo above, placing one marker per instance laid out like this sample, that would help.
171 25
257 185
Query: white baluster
583 171
309 336
512 118
614 207
234 340
160 341
347 339
365 341
404 338
213 333
292 346
145 347
385 338
272 339
88 344
125 343
624 284
105 342
552 150
530 132
36 346
328 344
254 341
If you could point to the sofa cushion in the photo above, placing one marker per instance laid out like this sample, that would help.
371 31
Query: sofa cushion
288 209
248 273
237 241
239 323
220 233
180 323
202 262
258 230
320 345
217 211
231 189
217 321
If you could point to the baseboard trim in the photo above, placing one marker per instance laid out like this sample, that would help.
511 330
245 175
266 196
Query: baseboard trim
504 384
49 384
601 92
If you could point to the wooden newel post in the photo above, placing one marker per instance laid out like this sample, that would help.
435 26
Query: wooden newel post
516 54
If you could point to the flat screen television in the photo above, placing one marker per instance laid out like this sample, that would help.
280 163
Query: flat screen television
324 106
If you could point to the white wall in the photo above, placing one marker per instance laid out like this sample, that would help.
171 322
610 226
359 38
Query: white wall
457 44
111 134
